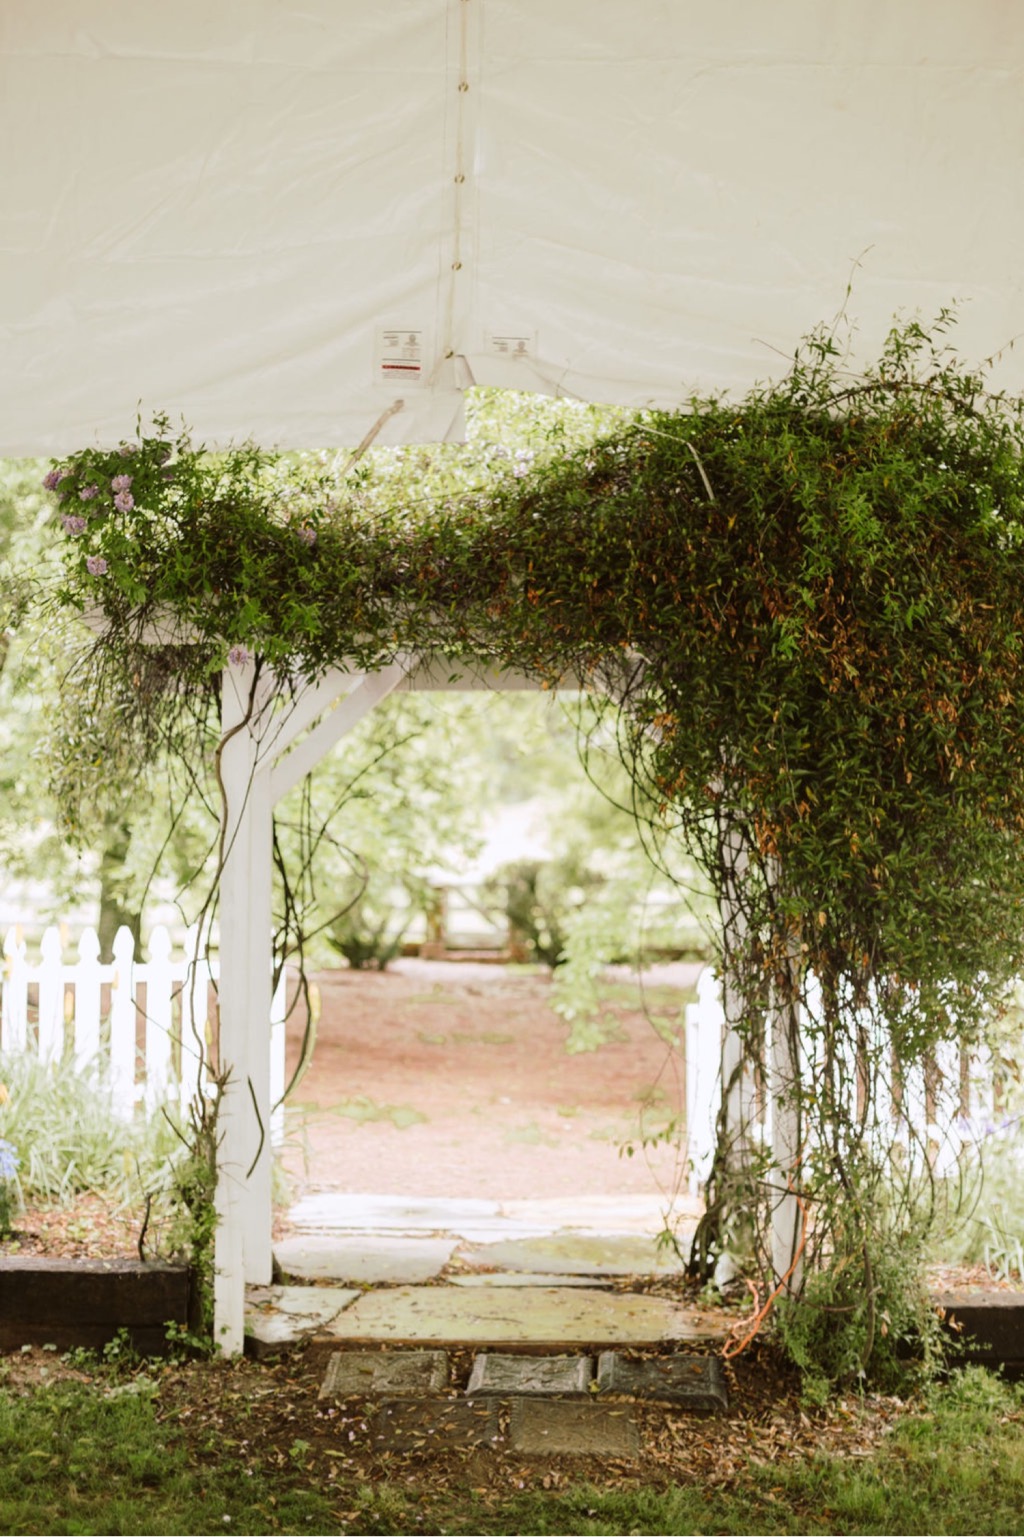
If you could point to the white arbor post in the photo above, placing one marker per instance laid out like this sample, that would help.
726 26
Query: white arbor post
257 767
738 1087
785 1086
784 1092
193 1048
159 987
245 924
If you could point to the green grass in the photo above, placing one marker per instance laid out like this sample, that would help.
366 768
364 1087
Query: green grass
76 1458
362 1109
107 1456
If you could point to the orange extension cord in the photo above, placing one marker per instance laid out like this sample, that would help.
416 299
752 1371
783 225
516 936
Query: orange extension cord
752 1326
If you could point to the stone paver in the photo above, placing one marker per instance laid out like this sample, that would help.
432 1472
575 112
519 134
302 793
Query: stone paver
367 1258
516 1376
552 1427
693 1383
332 1211
575 1253
484 1221
278 1316
385 1374
441 1315
410 1424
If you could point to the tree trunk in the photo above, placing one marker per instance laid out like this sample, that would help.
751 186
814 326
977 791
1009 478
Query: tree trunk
116 904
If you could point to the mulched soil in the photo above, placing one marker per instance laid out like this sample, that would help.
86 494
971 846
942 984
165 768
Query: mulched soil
89 1227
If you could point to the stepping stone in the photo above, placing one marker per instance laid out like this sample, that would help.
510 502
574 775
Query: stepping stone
516 1376
336 1211
550 1427
279 1316
579 1254
549 1316
369 1259
693 1383
384 1374
413 1424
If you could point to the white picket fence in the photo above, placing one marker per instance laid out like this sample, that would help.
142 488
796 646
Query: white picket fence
935 1110
144 1023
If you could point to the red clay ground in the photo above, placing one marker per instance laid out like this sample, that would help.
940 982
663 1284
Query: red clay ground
452 1079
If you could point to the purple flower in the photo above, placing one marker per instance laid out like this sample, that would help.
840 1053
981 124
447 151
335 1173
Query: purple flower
239 655
124 501
73 522
9 1159
306 534
96 565
88 492
120 483
126 450
51 480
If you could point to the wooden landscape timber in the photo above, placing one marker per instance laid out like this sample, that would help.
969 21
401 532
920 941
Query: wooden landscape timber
87 1302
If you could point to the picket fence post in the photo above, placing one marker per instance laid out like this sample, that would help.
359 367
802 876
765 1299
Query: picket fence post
14 1012
122 1025
88 980
705 1023
51 998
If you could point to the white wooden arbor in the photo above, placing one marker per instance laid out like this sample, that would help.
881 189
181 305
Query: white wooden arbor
267 748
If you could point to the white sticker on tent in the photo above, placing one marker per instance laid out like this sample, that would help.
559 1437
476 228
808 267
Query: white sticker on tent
399 356
511 344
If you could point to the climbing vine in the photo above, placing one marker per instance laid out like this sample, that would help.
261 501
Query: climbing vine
807 610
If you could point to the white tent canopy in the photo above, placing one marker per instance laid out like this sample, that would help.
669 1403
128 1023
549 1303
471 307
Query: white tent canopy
275 218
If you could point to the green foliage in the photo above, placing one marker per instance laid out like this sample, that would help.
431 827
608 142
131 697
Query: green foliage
361 843
67 1136
865 1317
538 897
822 584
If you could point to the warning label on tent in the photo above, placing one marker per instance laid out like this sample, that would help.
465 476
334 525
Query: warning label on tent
516 345
399 356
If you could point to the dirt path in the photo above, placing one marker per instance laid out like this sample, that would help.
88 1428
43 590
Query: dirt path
444 1079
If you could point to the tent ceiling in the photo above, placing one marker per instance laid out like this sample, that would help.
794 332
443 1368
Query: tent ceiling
275 217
